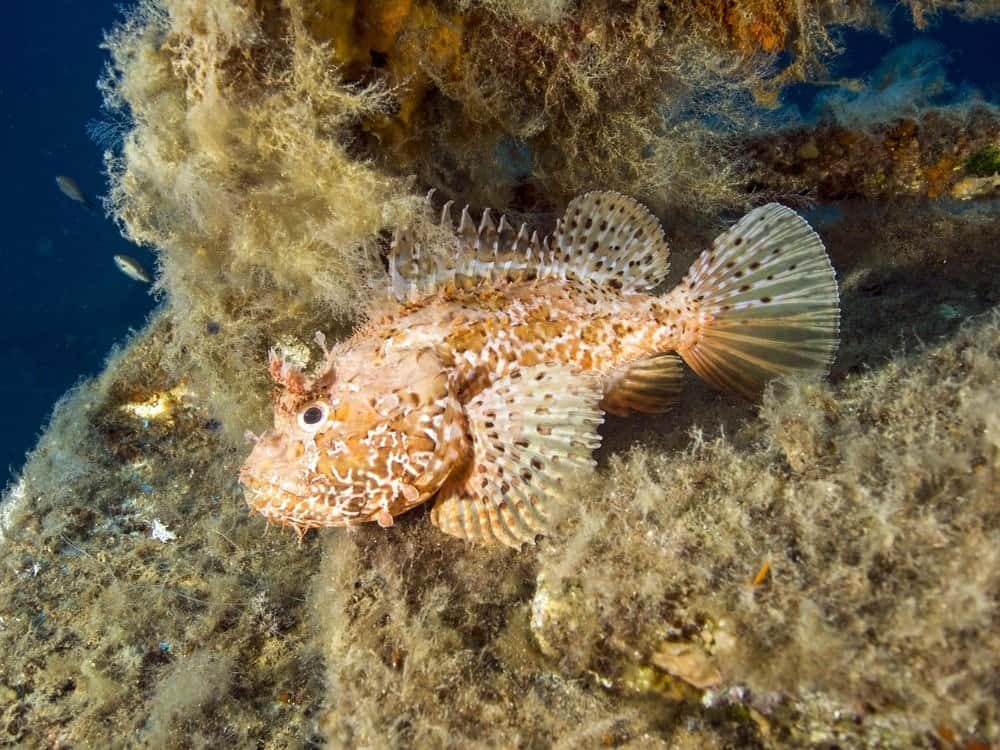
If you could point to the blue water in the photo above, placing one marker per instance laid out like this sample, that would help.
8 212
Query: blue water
62 301
950 62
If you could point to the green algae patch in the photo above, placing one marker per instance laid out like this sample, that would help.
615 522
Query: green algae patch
985 162
923 157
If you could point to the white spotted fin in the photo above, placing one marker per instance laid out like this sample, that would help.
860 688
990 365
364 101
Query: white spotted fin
612 239
531 431
604 237
767 298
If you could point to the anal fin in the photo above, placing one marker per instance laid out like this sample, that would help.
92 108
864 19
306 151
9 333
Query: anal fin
650 386
531 432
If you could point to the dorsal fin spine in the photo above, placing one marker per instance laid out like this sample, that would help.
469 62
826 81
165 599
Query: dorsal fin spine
535 248
522 240
604 237
486 224
503 227
446 214
466 230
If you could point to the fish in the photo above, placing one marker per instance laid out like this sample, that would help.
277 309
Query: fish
72 191
132 268
482 380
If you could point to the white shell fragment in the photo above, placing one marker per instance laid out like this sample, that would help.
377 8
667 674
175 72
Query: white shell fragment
160 532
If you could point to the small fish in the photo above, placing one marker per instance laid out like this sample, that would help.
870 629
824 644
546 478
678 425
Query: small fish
72 191
132 268
482 384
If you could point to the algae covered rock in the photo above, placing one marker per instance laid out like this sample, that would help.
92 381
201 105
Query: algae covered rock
112 631
817 570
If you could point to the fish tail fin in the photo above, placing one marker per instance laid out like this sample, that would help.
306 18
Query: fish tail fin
763 301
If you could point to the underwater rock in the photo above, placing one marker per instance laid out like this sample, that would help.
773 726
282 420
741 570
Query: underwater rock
689 662
927 157
879 541
272 149
88 595
969 188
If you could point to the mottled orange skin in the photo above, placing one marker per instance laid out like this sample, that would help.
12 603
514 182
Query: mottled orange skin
394 391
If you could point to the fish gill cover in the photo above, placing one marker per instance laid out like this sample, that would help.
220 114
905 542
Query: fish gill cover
822 573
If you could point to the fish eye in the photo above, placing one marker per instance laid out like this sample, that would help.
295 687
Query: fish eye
312 416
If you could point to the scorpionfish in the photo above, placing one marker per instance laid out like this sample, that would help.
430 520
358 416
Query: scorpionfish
481 384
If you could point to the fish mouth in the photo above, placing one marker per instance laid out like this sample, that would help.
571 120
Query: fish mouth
291 505
255 486
258 484
276 503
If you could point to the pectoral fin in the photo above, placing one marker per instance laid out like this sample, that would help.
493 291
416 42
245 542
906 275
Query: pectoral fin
531 431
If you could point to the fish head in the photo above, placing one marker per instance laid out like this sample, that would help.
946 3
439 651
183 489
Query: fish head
351 449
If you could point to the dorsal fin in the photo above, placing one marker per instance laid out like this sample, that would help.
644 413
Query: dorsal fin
415 270
605 237
487 252
612 239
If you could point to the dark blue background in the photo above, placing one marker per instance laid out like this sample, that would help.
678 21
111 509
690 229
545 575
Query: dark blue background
63 302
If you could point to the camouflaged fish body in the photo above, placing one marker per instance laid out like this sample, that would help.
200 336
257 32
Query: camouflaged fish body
484 386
